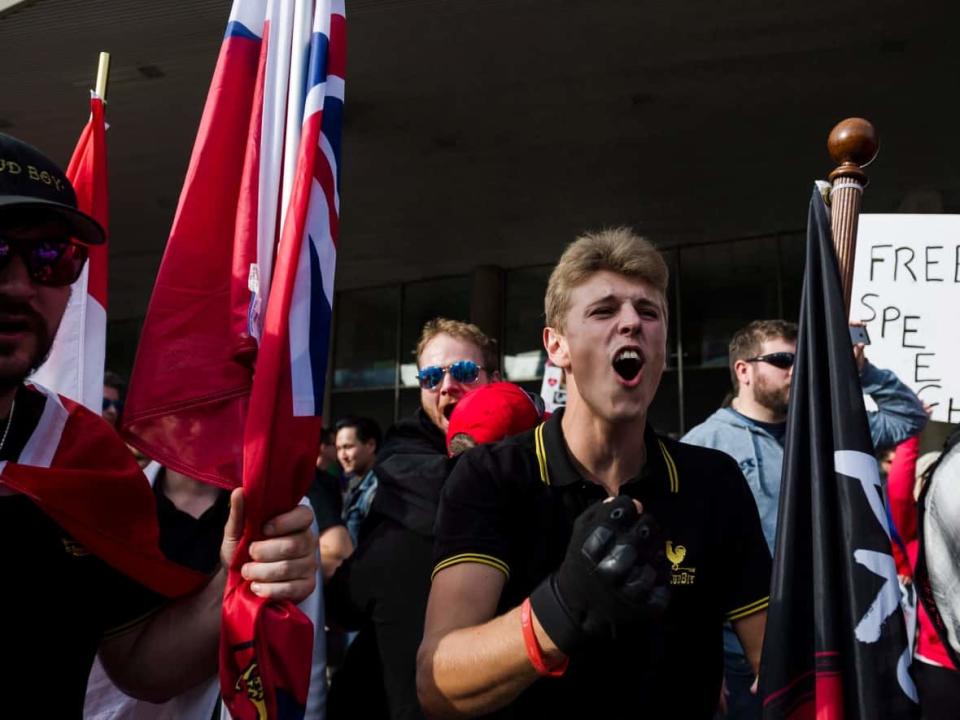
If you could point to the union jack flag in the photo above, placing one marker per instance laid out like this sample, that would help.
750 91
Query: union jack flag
246 284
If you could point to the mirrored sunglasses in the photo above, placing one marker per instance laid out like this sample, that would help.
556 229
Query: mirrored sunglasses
782 360
463 371
53 262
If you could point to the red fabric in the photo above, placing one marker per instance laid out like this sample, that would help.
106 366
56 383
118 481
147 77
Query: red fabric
87 173
903 510
266 647
829 696
273 639
95 491
191 379
492 412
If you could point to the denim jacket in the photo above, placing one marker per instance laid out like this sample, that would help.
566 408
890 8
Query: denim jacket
356 505
899 415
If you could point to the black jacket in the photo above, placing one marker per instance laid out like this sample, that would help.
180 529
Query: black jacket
383 587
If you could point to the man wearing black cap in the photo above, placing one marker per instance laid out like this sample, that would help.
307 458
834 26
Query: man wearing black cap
74 585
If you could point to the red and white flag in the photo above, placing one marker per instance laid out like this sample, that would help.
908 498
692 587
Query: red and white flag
75 365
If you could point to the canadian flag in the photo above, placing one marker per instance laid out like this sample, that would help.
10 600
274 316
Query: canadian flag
75 365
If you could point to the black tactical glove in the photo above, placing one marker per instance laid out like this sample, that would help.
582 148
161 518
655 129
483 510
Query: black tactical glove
613 576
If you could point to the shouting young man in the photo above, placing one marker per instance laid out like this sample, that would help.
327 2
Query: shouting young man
548 601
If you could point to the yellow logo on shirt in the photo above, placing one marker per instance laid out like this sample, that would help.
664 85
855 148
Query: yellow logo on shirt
679 575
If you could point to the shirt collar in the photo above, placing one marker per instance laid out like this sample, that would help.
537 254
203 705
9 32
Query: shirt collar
557 466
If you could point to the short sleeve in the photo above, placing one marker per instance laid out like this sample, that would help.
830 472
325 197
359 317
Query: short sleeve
473 520
325 499
746 575
124 602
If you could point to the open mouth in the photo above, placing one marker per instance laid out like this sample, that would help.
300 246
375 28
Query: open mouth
628 364
13 325
448 410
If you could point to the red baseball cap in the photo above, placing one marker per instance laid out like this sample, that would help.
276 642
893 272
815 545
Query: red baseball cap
493 412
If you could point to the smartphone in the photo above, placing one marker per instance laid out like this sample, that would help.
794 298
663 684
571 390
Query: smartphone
859 335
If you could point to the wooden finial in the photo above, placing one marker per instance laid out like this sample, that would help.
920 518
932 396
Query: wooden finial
853 144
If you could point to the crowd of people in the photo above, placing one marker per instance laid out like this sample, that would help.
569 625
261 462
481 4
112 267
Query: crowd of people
479 558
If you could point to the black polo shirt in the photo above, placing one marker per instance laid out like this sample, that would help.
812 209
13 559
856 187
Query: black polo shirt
59 600
512 506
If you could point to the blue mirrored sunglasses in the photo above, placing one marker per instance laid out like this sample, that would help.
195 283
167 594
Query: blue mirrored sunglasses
463 371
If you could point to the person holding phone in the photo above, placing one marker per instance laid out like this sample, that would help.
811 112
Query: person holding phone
752 431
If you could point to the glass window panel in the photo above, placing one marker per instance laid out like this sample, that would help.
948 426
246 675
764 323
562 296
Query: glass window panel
423 301
523 354
365 350
723 287
409 402
704 390
376 404
793 251
122 339
664 411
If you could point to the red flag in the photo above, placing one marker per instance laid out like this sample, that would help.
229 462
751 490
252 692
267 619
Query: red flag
191 379
79 472
74 367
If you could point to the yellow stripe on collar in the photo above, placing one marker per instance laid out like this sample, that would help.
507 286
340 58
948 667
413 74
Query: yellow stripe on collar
541 454
671 468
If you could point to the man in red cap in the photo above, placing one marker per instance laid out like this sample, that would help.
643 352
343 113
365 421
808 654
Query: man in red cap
490 414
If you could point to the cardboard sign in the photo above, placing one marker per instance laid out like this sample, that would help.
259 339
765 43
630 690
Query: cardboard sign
553 389
906 288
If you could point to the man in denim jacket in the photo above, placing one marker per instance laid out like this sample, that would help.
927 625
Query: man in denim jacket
752 431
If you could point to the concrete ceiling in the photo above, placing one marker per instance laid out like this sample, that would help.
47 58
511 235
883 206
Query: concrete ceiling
491 131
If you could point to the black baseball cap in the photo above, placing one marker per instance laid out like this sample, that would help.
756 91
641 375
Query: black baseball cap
29 179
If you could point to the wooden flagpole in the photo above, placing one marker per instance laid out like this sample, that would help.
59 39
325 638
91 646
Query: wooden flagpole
103 75
853 144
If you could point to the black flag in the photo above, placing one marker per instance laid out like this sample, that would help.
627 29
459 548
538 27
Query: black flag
835 645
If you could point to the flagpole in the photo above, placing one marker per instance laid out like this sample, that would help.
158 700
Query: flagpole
103 75
853 144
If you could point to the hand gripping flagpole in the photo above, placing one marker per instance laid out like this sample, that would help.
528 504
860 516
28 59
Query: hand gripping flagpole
853 144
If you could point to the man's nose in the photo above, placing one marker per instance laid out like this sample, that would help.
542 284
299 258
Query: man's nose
449 386
628 319
15 278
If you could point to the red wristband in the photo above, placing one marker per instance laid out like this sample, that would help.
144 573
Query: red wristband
534 652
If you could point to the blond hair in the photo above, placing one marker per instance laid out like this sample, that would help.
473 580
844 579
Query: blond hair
618 250
462 331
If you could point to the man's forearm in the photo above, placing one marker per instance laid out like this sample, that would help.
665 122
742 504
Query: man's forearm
899 413
476 670
173 651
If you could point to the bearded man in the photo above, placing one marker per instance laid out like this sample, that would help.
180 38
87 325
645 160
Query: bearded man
84 573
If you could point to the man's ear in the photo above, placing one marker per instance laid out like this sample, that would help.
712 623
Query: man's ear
741 368
556 346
